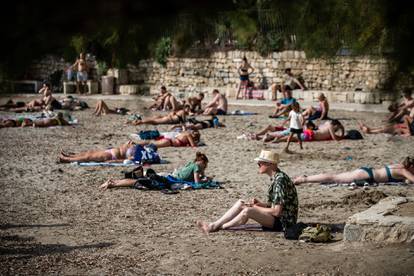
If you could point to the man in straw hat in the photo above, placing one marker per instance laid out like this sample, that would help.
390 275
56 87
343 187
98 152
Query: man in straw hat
280 211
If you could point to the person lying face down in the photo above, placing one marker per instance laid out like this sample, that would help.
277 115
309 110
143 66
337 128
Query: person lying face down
401 172
193 171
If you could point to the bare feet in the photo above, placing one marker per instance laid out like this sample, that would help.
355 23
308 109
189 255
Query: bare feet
108 184
286 150
205 227
300 179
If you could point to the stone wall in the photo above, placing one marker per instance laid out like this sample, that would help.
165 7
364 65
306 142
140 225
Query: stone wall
347 79
220 71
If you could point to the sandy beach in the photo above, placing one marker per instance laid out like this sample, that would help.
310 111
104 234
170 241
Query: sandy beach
55 220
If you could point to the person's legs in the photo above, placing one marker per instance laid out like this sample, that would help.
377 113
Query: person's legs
228 216
308 112
97 156
111 183
253 213
346 177
265 130
210 111
286 149
299 140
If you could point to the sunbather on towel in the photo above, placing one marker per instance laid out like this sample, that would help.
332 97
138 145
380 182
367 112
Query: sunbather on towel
117 154
102 108
172 118
193 171
195 124
58 120
390 173
183 139
19 122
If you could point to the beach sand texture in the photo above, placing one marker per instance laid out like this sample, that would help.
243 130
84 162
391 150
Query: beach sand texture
55 220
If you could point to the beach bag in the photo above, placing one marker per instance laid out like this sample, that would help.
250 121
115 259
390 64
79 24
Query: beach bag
353 134
320 233
134 174
148 134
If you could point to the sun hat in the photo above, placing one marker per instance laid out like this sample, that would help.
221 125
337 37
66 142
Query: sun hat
268 156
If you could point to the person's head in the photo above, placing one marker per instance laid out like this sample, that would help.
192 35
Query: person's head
196 135
187 108
215 92
201 95
163 89
267 162
296 107
201 159
407 92
244 59
321 97
288 71
408 163
310 125
82 55
46 85
393 107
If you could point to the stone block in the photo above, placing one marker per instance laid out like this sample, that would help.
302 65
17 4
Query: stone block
383 222
129 89
69 87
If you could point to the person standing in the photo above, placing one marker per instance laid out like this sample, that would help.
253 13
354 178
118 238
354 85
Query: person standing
82 68
278 213
244 71
296 125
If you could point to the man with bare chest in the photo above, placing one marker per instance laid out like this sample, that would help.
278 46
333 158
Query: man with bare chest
81 67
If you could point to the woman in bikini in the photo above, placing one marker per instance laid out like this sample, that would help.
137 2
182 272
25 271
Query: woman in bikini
118 154
19 122
175 117
244 71
318 113
48 122
102 108
194 124
391 173
183 139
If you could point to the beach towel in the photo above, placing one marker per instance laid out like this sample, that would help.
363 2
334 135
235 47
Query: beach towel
241 113
182 184
106 164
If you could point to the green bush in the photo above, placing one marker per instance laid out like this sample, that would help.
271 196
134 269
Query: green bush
163 50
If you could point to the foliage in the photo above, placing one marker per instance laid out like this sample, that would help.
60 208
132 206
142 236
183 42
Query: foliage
163 50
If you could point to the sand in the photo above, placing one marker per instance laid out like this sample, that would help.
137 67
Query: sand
55 220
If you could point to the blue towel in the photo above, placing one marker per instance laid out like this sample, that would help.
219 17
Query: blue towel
204 185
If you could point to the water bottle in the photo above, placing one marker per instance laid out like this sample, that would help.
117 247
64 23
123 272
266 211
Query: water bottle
215 122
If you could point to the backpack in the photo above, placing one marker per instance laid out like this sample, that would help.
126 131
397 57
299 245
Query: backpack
353 134
320 233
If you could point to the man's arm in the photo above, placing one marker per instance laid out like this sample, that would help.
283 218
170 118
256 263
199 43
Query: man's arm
213 101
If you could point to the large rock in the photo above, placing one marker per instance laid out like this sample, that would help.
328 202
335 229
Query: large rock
391 220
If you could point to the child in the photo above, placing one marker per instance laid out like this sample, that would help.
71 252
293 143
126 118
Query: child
296 125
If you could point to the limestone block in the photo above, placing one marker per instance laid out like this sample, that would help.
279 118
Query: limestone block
130 89
69 87
276 55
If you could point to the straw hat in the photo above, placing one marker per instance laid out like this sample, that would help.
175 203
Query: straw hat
268 156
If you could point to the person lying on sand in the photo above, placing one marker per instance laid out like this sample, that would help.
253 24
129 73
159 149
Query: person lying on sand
182 139
102 108
19 122
193 171
195 124
389 173
117 154
174 117
58 120
404 129
332 130
277 214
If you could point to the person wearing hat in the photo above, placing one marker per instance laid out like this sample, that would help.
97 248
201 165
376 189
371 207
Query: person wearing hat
277 214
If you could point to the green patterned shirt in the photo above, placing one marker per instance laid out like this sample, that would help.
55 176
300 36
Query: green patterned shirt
282 191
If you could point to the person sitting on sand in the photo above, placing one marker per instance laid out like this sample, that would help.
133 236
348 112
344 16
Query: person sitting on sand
318 113
160 99
174 117
404 108
193 123
388 174
171 103
193 171
277 214
195 103
181 139
404 129
102 108
332 130
218 105
117 154
284 105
